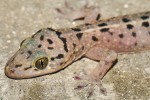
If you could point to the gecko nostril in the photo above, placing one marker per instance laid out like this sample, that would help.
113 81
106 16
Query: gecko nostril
9 72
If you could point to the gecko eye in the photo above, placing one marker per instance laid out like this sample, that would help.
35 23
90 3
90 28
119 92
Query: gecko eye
41 63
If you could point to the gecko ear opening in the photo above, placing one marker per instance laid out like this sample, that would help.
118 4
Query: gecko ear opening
41 63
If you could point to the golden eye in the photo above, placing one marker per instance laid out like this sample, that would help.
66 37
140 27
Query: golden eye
41 63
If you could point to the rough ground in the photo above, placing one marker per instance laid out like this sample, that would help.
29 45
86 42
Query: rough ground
128 80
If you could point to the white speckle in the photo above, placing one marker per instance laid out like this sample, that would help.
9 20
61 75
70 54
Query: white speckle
8 41
126 6
74 23
14 32
10 52
24 32
23 8
147 70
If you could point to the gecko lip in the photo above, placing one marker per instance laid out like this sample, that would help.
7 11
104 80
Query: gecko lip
9 72
13 74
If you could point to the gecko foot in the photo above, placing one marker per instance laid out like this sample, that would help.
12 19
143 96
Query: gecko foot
89 83
87 13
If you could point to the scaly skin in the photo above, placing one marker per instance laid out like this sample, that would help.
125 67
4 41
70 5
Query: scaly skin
100 41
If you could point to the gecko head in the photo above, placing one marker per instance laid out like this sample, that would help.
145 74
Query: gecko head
41 54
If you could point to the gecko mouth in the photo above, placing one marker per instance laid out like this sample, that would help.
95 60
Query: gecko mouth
13 71
10 72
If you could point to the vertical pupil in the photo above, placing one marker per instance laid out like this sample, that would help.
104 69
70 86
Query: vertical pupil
42 63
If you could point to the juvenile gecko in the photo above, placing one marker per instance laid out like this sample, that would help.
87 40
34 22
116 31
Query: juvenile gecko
50 50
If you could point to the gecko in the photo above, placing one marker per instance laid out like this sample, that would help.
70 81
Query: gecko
51 50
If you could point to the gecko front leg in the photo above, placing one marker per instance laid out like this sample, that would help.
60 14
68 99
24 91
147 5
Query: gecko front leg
105 63
106 59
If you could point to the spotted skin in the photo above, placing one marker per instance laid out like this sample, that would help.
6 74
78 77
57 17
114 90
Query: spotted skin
100 41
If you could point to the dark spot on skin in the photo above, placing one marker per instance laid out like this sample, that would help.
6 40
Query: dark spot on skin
98 17
102 24
52 59
60 56
125 20
58 33
18 65
111 33
87 24
149 33
36 69
135 43
50 48
61 63
22 52
39 46
27 68
145 24
76 29
80 18
58 10
104 30
29 52
42 37
144 17
74 45
63 40
65 43
12 70
94 38
79 35
121 35
49 41
129 26
133 34
82 48
108 40
50 29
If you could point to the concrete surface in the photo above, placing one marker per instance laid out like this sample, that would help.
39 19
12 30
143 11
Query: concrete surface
128 80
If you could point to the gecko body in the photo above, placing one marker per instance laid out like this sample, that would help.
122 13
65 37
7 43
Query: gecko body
50 50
